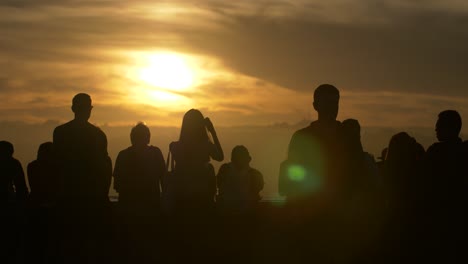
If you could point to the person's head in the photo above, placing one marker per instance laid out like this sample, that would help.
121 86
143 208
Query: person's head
352 134
352 127
193 127
6 149
45 151
81 106
140 135
448 125
326 100
240 156
402 148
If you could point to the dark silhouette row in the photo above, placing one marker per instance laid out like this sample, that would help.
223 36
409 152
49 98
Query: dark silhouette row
341 205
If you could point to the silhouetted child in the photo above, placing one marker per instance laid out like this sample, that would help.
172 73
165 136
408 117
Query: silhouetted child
361 165
42 176
239 184
43 180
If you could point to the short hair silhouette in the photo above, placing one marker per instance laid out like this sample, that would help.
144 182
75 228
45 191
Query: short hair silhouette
45 150
193 127
326 99
448 125
6 148
352 126
140 134
81 106
240 154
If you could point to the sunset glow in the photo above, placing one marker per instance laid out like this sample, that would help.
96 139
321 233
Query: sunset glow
167 70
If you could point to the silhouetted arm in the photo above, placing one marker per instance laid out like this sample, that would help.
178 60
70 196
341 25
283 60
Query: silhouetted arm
118 172
20 182
161 166
217 152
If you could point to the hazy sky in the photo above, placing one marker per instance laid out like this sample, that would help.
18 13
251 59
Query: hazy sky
252 62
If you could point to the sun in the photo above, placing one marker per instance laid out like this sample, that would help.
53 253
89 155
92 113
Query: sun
168 71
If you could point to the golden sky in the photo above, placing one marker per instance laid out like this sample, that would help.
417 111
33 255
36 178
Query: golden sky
397 63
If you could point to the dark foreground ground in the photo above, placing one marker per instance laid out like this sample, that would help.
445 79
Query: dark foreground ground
274 233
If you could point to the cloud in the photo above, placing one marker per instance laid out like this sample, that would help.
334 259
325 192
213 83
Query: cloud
50 50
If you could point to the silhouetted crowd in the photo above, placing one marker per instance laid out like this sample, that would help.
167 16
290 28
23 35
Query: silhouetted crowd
341 206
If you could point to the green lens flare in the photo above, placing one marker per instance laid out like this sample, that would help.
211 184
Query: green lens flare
296 173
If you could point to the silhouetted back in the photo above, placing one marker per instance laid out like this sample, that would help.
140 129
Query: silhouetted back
138 171
238 183
11 174
402 177
42 176
194 180
85 168
314 164
360 166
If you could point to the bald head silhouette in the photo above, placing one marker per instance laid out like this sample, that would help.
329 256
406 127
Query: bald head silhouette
81 106
448 125
326 99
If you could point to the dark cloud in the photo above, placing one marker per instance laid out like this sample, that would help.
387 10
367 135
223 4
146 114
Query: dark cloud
425 53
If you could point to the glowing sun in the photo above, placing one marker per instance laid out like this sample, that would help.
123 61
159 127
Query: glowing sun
167 71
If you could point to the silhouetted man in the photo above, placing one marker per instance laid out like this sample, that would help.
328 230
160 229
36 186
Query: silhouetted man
446 175
313 165
81 154
84 172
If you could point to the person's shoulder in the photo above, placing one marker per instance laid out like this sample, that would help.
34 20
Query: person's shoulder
174 146
304 131
435 147
33 164
154 149
125 152
63 127
15 162
225 166
95 128
255 172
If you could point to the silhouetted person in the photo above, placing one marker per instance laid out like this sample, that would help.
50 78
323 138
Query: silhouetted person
314 183
137 178
191 188
85 173
13 192
81 154
360 165
313 167
42 176
138 172
446 171
239 184
403 189
43 181
195 178
11 174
